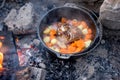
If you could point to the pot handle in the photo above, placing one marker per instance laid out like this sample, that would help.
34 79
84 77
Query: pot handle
63 56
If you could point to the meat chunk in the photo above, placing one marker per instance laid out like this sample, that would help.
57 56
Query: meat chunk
68 32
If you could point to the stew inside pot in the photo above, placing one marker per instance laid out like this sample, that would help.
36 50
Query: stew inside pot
68 36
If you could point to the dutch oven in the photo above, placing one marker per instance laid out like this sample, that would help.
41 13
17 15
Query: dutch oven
81 13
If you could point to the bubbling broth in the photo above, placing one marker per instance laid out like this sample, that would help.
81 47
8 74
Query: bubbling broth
68 36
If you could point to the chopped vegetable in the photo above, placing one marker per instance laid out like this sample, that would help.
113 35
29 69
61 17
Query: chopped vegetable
52 37
80 44
63 50
80 27
63 20
88 36
78 49
46 39
87 43
85 31
52 32
84 24
46 31
53 41
73 44
71 49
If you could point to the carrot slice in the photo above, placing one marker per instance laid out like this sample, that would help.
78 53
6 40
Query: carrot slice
78 50
89 31
80 43
71 49
73 44
52 32
63 20
88 36
63 50
52 37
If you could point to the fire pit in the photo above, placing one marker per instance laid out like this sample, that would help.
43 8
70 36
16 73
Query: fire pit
37 64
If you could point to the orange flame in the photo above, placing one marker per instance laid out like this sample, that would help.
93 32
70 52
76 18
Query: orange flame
1 61
1 58
0 44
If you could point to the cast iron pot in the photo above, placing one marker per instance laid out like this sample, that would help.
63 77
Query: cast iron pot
80 13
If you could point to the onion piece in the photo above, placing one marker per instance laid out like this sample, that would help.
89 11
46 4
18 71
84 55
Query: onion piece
87 43
61 44
85 31
80 27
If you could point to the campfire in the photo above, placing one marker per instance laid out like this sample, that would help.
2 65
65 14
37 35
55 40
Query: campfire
24 57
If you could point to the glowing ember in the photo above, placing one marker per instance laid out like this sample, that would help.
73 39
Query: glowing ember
1 61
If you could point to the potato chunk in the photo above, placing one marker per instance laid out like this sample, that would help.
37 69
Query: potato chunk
46 39
53 41
46 31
